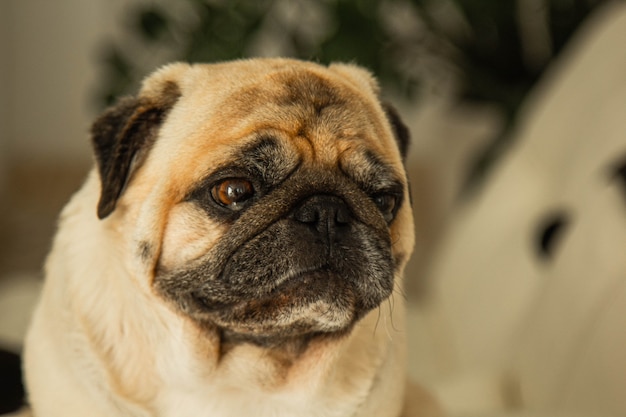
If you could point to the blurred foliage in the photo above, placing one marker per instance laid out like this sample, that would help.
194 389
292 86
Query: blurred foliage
484 52
414 47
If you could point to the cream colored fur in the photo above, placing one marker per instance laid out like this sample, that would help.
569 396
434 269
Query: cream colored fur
102 344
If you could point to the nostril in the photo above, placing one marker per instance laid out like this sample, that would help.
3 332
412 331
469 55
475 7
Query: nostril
324 213
307 214
343 215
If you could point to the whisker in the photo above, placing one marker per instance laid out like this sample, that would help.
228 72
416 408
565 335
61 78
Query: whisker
392 302
401 292
377 320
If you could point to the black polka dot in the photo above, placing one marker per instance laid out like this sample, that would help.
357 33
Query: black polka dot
549 234
618 174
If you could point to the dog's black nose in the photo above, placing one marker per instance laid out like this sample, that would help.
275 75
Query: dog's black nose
328 215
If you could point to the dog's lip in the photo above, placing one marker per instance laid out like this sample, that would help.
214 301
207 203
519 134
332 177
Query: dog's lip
208 305
296 275
282 284
297 307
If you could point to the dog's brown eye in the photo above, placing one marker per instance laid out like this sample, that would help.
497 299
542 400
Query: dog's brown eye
232 193
386 203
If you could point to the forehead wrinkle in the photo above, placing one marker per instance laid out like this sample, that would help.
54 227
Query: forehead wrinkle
318 114
368 170
264 145
302 102
272 157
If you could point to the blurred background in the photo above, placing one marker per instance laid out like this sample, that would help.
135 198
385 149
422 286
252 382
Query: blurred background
461 73
62 62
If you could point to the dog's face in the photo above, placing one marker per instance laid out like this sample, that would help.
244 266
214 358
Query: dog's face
264 198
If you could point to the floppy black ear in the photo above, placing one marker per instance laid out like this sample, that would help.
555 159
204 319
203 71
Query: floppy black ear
400 131
122 137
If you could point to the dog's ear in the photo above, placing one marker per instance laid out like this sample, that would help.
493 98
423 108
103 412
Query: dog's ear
400 131
122 137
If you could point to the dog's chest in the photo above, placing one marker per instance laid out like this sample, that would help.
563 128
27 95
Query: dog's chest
223 402
235 387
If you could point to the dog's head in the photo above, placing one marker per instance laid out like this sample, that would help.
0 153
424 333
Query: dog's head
264 198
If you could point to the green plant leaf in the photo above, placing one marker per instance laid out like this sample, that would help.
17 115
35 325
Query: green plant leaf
152 24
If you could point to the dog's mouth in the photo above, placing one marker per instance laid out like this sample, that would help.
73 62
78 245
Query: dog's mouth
309 302
315 271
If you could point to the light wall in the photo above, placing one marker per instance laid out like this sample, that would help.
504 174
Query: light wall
48 75
4 104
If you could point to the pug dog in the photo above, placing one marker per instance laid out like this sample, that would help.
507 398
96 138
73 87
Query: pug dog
237 250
